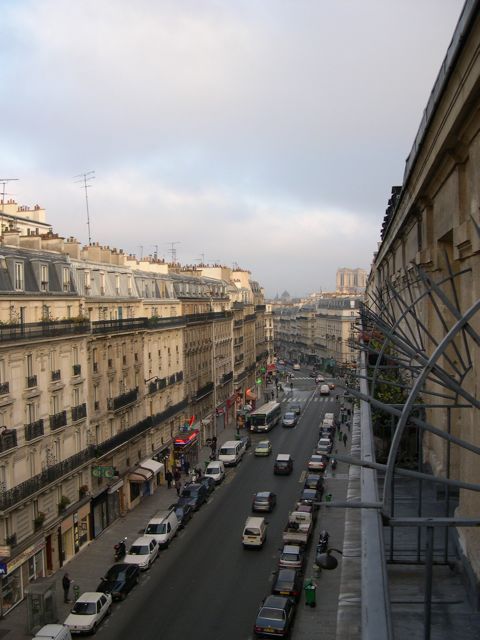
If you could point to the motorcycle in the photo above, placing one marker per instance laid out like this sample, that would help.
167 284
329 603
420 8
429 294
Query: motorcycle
322 546
120 549
334 464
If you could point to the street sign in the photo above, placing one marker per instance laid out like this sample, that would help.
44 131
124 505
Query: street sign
103 472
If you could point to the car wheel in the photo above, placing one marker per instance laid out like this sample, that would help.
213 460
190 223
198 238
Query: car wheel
94 628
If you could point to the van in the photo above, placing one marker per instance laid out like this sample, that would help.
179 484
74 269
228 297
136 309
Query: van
54 632
324 390
231 452
254 532
283 464
215 470
163 527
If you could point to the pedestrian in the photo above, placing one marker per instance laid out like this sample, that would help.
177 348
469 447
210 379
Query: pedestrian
176 475
345 440
66 582
178 486
186 467
169 478
340 435
291 386
273 395
348 425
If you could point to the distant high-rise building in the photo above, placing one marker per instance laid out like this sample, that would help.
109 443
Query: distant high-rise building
351 280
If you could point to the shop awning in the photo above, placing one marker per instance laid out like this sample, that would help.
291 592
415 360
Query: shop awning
140 475
250 395
152 465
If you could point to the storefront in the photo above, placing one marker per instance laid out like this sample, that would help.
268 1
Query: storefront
100 513
20 572
185 448
75 532
144 480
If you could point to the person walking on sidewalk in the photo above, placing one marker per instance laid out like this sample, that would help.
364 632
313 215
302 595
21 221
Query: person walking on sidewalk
169 478
178 486
345 440
66 582
186 467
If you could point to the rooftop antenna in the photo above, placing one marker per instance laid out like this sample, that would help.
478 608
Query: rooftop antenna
173 251
4 184
140 246
85 178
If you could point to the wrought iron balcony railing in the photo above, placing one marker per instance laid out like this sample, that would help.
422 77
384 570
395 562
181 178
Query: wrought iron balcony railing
122 400
79 412
31 382
34 430
58 420
56 375
77 369
8 440
4 388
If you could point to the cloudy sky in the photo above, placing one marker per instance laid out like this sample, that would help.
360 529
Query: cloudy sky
266 133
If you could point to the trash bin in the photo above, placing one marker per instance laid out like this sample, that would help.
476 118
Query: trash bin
328 497
310 593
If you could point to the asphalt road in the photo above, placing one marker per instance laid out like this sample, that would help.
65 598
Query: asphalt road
206 585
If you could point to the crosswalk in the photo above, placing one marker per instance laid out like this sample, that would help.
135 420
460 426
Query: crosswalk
291 399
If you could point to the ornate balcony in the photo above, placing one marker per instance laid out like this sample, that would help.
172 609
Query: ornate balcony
79 412
77 369
58 420
31 381
34 430
226 377
8 440
122 400
203 391
4 388
56 375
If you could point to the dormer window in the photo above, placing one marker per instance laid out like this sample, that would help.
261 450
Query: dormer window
19 276
66 279
86 280
117 283
44 277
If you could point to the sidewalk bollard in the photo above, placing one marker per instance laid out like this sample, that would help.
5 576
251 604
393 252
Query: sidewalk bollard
76 592
328 497
310 593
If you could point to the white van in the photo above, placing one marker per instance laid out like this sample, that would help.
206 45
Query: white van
231 452
215 470
324 390
162 527
254 532
54 632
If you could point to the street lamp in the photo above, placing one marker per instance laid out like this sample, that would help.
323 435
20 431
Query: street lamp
326 560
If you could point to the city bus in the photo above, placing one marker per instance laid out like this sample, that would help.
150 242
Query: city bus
266 417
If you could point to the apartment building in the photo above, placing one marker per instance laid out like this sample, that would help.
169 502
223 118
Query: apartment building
111 370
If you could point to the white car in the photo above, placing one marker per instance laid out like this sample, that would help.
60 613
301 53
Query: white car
319 379
216 471
142 552
88 611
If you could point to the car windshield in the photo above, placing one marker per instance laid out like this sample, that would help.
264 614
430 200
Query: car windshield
156 528
138 550
85 608
261 498
290 557
227 451
214 471
189 493
272 614
116 574
289 416
262 445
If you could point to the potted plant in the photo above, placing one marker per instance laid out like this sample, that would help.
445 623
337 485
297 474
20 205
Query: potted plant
39 520
63 504
83 490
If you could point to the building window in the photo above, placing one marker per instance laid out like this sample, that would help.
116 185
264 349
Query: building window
86 280
102 283
117 283
19 286
74 355
44 277
66 279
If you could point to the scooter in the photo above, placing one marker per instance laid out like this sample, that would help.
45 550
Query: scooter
120 549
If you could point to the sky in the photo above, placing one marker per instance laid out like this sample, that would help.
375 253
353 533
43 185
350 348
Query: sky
260 133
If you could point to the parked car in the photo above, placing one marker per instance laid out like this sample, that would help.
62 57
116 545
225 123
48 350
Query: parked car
288 582
324 390
318 463
143 552
275 617
88 611
264 501
162 527
208 483
289 419
216 471
327 431
296 367
296 408
292 557
319 379
246 442
263 448
194 494
119 579
184 513
324 446
313 481
311 496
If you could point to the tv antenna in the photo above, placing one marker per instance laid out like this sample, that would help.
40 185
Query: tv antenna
201 259
4 184
85 178
173 251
